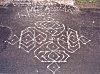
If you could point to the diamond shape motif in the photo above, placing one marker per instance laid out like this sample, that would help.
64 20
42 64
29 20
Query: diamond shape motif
49 24
53 56
39 38
53 67
63 38
14 39
52 46
27 39
84 40
28 48
52 31
73 37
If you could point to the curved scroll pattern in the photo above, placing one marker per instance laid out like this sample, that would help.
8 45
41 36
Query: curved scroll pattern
51 26
71 41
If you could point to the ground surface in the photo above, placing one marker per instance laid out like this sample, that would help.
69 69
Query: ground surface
86 60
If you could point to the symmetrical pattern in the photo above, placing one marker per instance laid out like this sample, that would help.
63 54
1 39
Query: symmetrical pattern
53 67
13 39
51 52
51 26
71 41
50 41
30 37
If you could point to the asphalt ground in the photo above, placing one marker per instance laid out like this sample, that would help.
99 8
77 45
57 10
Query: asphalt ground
85 60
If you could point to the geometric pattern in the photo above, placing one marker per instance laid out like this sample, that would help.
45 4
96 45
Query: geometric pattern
27 40
50 41
53 67
51 52
30 37
48 53
13 40
71 41
84 40
54 28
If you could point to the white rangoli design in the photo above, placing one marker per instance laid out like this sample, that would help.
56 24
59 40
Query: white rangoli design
50 41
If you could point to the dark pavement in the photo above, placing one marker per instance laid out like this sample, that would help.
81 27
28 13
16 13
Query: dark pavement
85 60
